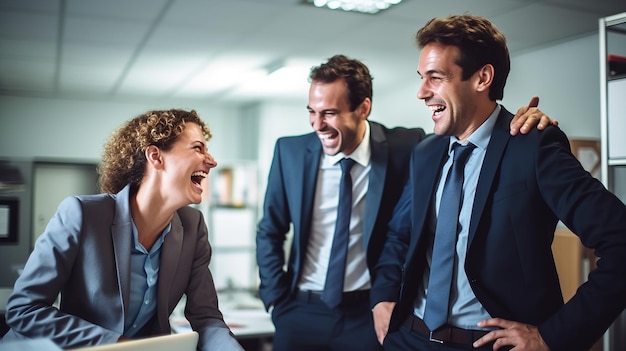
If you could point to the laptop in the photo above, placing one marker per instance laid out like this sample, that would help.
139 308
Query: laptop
38 344
179 342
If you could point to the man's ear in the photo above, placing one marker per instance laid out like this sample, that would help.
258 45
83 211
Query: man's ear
153 157
484 77
365 107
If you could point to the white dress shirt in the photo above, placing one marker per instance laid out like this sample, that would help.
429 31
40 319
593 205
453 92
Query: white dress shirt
325 215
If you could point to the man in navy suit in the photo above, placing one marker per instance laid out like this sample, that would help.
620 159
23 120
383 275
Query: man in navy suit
504 290
302 194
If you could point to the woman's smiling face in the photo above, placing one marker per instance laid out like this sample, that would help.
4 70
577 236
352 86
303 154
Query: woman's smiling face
186 166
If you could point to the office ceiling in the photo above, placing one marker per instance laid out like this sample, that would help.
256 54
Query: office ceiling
215 50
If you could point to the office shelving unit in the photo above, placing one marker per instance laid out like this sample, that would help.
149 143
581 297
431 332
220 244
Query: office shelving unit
232 220
612 38
613 104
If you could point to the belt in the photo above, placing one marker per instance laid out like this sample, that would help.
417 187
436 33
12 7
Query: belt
446 334
348 298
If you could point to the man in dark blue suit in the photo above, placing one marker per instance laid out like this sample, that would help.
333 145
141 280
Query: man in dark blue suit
504 290
302 194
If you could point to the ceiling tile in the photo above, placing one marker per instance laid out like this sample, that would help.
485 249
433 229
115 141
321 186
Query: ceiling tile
32 26
30 5
232 17
193 41
27 75
199 48
145 10
88 79
155 73
221 74
113 33
28 49
91 69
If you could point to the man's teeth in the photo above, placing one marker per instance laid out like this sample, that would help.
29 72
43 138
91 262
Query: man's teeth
437 108
199 174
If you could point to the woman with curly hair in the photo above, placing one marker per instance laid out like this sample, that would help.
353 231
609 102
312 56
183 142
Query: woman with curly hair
122 260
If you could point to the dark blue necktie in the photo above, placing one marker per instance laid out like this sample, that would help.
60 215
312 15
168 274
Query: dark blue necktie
333 289
442 263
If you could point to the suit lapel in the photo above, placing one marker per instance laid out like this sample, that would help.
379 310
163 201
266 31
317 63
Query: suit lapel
311 164
171 251
497 144
121 235
376 182
425 177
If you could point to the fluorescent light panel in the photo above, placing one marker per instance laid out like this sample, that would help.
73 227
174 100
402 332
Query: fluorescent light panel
364 6
237 77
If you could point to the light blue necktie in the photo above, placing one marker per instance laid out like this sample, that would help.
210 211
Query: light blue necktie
333 289
442 263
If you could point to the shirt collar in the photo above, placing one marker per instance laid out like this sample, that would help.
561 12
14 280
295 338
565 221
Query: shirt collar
361 154
481 136
158 243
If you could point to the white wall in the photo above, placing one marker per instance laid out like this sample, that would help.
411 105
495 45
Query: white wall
566 77
77 129
276 120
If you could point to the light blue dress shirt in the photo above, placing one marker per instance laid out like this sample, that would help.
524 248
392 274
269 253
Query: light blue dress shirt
466 309
144 273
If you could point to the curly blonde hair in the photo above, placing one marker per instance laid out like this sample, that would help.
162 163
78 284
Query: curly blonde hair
123 158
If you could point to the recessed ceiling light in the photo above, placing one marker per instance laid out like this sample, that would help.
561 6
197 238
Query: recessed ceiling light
364 6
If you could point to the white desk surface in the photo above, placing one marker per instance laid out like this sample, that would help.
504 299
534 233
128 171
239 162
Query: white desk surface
243 313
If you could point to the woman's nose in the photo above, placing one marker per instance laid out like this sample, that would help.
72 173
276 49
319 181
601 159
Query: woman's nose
210 160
